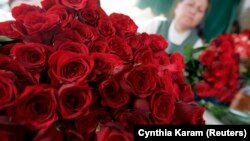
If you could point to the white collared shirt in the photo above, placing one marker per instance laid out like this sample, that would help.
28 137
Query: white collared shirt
152 26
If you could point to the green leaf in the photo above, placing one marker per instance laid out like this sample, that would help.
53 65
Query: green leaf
188 51
5 39
225 114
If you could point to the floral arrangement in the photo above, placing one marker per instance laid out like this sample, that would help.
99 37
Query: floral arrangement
242 44
74 73
220 75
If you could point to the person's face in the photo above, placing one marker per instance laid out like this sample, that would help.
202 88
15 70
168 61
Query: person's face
189 13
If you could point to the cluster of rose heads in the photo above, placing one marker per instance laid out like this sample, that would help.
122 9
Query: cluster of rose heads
242 44
75 73
221 75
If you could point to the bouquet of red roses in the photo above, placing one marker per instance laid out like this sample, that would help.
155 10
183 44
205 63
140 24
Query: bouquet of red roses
76 73
220 78
242 44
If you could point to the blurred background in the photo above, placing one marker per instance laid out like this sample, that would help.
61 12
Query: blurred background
223 16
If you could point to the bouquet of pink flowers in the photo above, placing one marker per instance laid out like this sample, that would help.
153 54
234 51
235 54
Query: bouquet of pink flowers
74 73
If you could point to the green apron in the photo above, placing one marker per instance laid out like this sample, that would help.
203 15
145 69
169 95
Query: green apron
188 42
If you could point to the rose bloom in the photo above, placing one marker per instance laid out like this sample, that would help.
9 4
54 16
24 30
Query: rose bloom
24 78
32 56
71 46
74 99
105 65
128 119
10 131
112 94
91 15
123 23
8 89
36 107
87 124
162 106
157 43
189 113
142 79
119 47
64 16
68 67
111 132
106 28
49 134
36 22
77 4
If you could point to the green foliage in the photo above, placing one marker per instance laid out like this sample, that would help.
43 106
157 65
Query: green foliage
226 115
193 69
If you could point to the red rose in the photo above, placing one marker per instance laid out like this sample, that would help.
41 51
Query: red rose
177 59
8 29
162 106
106 28
226 95
144 56
129 119
8 89
20 12
112 94
68 67
24 78
87 124
189 113
72 47
105 65
36 107
157 43
91 15
136 41
166 82
87 32
76 4
162 58
68 34
36 22
47 4
112 132
98 46
74 99
31 55
64 16
186 94
207 57
10 131
142 79
75 136
123 23
203 89
119 47
141 105
4 137
49 134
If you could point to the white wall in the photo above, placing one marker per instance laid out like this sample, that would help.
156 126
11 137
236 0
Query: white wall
127 7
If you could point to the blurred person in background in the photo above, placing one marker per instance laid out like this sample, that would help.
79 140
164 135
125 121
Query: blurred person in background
180 32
